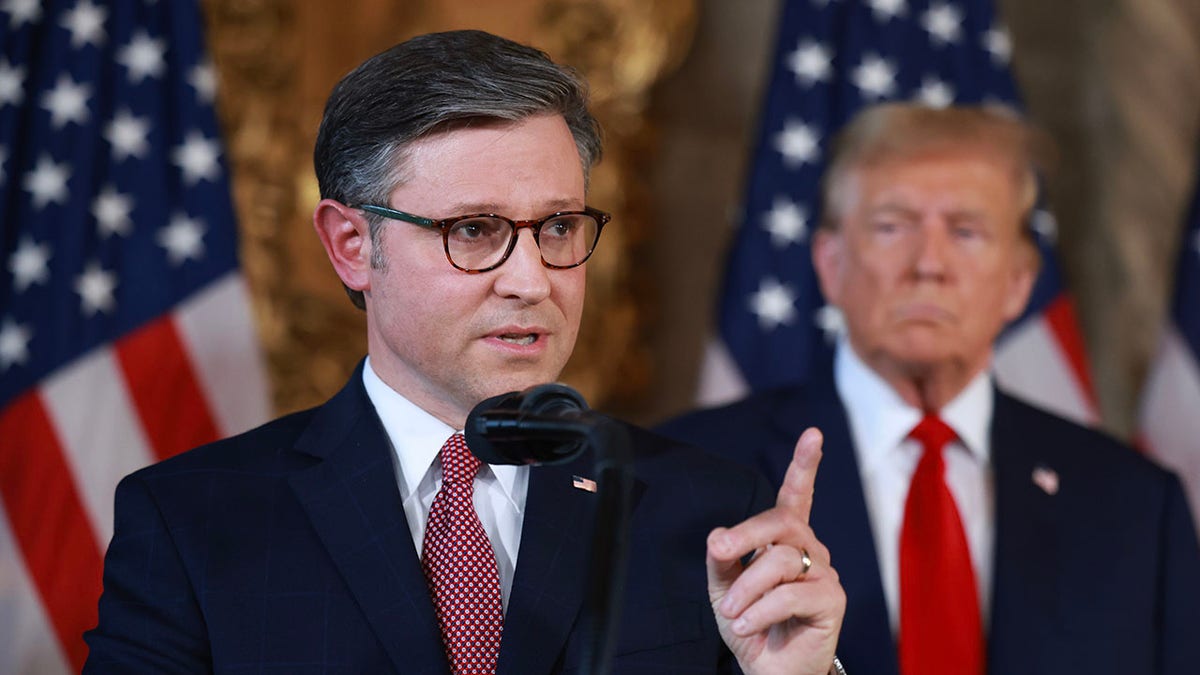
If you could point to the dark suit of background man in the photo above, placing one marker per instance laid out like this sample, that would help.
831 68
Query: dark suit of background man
1077 554
300 546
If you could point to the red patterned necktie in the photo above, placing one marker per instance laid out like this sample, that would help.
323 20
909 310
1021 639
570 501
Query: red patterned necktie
941 631
460 568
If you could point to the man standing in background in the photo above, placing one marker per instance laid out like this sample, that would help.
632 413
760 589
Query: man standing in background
974 533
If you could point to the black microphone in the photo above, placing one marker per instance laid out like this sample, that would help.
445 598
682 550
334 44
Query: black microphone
544 424
551 424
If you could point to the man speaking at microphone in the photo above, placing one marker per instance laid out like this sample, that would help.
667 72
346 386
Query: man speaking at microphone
363 536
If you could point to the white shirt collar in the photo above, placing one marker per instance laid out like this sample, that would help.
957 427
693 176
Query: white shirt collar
970 415
880 419
417 437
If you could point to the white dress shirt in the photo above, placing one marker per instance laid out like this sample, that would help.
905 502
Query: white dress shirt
417 437
880 422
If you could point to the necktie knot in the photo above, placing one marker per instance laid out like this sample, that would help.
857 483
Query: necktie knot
933 434
458 464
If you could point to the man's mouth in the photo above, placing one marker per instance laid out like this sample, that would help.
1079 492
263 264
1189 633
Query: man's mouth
523 339
925 312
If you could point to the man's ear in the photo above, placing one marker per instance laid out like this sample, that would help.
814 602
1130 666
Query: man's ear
345 234
827 251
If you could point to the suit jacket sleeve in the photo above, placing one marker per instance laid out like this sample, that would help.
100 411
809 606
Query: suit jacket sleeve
150 620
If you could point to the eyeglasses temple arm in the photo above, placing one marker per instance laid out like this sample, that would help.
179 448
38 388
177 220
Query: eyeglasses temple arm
397 215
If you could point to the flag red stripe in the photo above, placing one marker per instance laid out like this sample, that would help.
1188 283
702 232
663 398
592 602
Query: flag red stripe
164 388
48 521
1060 316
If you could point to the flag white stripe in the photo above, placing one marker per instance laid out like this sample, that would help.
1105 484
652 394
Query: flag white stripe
1031 364
102 436
1170 416
27 644
218 333
720 379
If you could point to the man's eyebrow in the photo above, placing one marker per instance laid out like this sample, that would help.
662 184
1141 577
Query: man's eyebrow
973 215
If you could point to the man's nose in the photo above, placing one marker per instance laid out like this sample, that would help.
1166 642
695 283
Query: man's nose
523 275
932 247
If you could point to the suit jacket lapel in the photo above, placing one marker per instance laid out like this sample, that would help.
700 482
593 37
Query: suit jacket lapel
552 564
1026 559
354 505
840 520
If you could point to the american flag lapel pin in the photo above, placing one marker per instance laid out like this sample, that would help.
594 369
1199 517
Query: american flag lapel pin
1046 478
585 484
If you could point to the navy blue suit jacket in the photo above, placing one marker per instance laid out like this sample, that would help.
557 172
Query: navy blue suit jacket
1102 577
286 550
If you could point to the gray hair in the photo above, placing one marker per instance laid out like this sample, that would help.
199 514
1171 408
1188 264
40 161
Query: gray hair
429 84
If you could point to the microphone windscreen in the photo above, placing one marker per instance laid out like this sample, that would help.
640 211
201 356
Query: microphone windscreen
544 424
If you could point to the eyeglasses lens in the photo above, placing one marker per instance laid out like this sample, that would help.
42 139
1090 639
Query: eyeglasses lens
480 243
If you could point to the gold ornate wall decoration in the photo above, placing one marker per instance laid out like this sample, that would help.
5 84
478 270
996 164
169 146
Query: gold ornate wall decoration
244 39
254 47
277 61
623 48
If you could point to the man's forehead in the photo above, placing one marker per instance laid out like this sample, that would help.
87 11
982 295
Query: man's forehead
475 134
908 205
959 173
531 164
466 205
962 187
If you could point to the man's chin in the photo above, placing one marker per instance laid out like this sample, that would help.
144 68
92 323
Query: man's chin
919 356
519 382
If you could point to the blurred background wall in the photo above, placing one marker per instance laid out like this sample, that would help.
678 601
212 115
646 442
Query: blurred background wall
677 84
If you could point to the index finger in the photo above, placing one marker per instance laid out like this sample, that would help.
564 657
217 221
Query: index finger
796 493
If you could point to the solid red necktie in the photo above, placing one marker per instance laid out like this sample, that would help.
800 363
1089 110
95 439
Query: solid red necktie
941 630
460 568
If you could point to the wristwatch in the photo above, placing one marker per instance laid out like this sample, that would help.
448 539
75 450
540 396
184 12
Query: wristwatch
837 668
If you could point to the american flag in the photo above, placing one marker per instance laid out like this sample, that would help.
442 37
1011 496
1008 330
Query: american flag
125 332
833 57
1170 419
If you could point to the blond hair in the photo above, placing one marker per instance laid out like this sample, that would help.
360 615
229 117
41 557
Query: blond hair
905 131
